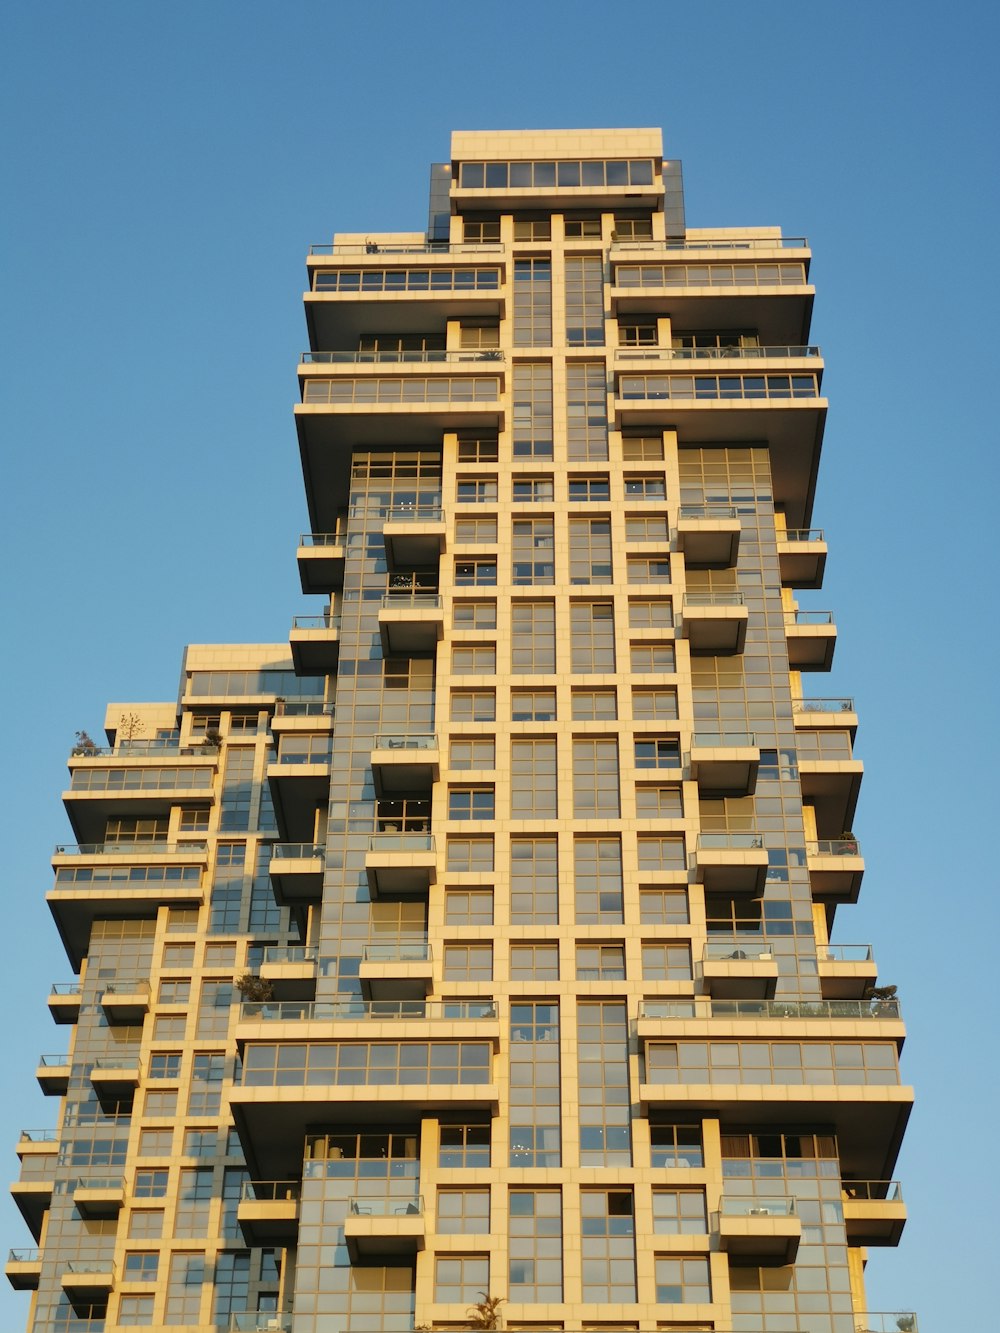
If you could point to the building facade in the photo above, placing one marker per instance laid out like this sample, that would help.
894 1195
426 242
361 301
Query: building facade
470 959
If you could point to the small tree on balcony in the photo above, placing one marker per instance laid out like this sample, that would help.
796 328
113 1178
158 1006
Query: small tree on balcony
485 1314
254 989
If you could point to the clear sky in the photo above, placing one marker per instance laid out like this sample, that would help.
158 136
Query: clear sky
165 168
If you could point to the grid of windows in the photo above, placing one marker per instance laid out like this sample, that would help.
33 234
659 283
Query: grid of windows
533 302
478 752
666 962
533 779
533 637
586 412
654 705
600 962
608 1245
605 1129
474 660
461 1279
532 416
663 907
818 1062
590 550
595 705
463 1212
468 962
533 551
535 1136
464 1145
473 705
533 705
534 881
471 803
679 1213
661 854
468 907
592 637
535 1245
474 615
533 490
470 854
584 300
597 872
534 962
476 531
681 1280
596 790
475 573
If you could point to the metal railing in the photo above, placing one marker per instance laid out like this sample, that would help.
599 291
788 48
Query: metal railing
703 1006
707 511
39 1136
808 617
24 1256
802 535
61 1061
290 953
714 599
395 741
297 851
257 1321
303 708
739 243
322 538
401 842
271 1191
734 842
68 988
319 754
101 1183
773 1205
886 1191
823 706
834 847
136 987
886 1321
152 749
844 953
398 951
411 513
423 357
89 1267
360 1205
714 740
407 248
420 601
739 949
776 352
112 1064
327 621
151 849
355 1011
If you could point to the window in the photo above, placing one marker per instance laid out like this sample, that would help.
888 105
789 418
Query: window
666 962
533 779
474 660
471 803
663 907
533 490
534 881
463 1212
598 880
533 551
532 415
633 228
145 1224
535 1115
161 1104
655 569
201 1143
679 1213
150 1184
474 615
465 1146
476 531
477 449
675 1145
468 907
585 299
468 962
535 1246
595 705
642 448
461 1279
207 1073
636 331
169 1027
533 637
645 488
533 705
647 530
480 230
178 955
141 1266
661 854
155 1142
663 802
586 411
589 490
658 752
135 1311
481 337
592 637
590 550
608 1245
165 1064
473 706
600 962
533 302
475 573
595 778
534 962
680 1281
650 613
470 854
654 705
184 1288
532 229
477 752
477 491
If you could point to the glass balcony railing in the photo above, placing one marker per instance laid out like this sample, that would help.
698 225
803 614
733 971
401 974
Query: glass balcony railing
395 356
802 535
710 388
844 953
707 511
24 1256
60 1061
702 1006
412 513
290 953
315 754
67 988
714 599
328 621
407 248
886 1191
823 706
730 842
303 708
418 601
354 1011
808 617
39 1136
113 1064
772 1205
395 741
271 1191
336 538
89 1267
723 243
716 740
387 841
256 1321
398 951
783 350
101 1183
152 849
834 847
127 986
886 1321
741 949
297 851
361 1205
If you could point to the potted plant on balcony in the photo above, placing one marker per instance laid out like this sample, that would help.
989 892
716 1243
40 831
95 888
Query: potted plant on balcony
84 745
254 989
848 844
485 1314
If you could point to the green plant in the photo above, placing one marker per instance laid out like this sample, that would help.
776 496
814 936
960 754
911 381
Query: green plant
486 1313
253 988
84 744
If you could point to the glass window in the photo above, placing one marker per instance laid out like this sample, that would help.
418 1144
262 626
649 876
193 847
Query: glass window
595 705
468 907
468 962
666 962
473 706
461 1279
533 705
680 1280
534 962
600 962
463 1212
475 752
476 490
464 1145
474 615
663 907
471 803
533 490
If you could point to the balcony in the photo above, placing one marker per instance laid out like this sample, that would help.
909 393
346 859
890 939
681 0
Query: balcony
53 1074
428 1018
702 1009
95 881
846 971
291 970
268 1212
731 862
377 1228
99 1198
297 872
126 1001
765 1230
821 714
401 863
404 762
87 1280
321 557
836 868
32 1192
709 536
410 623
802 557
414 535
830 784
874 1212
105 787
715 624
889 1321
811 637
400 970
64 1002
724 763
315 644
739 967
256 1321
115 1078
24 1268
299 780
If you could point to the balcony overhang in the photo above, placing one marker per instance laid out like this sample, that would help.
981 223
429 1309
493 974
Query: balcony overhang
99 1200
296 880
272 1223
709 543
298 791
413 543
273 1122
75 910
781 315
33 1198
758 1236
874 1222
400 872
717 630
868 1120
340 318
291 980
64 1008
112 1084
846 980
410 628
321 568
375 1237
831 786
725 769
735 978
399 767
127 1004
315 649
53 1079
735 870
801 563
810 647
89 811
24 1274
402 979
835 878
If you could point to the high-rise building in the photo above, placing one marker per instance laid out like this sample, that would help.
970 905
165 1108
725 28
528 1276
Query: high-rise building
471 957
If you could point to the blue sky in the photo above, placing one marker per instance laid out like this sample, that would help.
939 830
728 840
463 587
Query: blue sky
165 168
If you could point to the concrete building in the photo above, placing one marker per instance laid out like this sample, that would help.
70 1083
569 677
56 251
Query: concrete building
478 944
